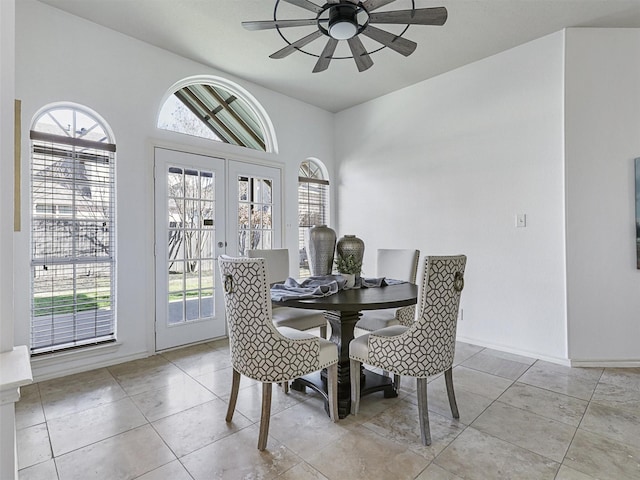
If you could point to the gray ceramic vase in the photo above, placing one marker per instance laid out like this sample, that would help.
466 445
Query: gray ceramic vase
320 242
351 245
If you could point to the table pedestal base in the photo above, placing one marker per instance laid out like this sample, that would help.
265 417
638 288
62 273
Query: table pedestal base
342 325
371 383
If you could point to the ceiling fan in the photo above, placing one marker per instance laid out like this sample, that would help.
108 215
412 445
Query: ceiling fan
346 20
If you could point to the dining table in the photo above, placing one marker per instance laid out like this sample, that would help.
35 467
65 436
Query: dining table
342 311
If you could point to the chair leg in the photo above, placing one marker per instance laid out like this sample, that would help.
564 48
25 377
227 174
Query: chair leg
354 366
332 391
235 385
285 387
423 411
265 417
396 382
448 378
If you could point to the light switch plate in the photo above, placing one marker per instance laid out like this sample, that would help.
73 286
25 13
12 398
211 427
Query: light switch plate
521 220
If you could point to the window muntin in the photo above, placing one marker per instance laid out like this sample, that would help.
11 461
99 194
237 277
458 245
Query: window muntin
191 235
255 213
211 111
313 205
72 231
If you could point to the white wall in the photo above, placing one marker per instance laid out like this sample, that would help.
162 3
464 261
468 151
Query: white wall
445 165
602 140
64 58
7 96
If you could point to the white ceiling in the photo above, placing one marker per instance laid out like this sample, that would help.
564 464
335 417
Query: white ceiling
209 31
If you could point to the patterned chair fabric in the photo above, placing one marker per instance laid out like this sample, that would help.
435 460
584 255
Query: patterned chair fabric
277 264
399 264
261 351
258 349
426 347
406 315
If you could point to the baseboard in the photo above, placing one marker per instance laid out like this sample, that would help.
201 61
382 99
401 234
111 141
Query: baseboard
606 363
599 363
508 349
61 364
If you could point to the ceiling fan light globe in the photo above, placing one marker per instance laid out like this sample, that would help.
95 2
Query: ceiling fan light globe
343 30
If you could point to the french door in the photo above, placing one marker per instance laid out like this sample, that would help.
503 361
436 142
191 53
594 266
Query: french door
205 207
190 234
254 207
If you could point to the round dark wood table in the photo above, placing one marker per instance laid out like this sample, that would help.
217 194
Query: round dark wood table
342 311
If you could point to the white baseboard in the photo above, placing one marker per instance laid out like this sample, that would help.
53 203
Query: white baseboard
65 363
606 363
600 363
508 349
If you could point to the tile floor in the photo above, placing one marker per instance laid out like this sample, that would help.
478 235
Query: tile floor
162 418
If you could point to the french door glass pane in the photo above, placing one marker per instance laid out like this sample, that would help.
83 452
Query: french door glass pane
191 244
255 209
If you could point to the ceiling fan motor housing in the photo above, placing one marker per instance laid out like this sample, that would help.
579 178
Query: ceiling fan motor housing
343 21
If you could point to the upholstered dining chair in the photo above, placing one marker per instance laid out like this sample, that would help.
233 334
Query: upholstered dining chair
262 351
426 347
277 261
398 264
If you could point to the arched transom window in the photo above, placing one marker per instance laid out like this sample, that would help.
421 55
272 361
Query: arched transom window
209 109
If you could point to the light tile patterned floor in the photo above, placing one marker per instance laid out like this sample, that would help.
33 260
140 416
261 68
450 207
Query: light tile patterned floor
162 418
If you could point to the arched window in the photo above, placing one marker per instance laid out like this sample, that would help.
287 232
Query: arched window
219 110
72 230
313 205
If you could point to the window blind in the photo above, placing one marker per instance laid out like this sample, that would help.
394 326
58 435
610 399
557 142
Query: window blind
312 210
72 242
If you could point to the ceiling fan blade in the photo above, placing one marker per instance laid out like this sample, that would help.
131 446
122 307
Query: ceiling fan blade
419 16
289 49
360 55
325 57
371 5
266 24
394 42
306 4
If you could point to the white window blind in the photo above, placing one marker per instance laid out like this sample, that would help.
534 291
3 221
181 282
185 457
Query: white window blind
72 235
313 196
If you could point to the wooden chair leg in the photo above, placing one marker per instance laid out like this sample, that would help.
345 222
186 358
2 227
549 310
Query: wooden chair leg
235 385
423 411
448 377
285 387
265 417
354 366
332 391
